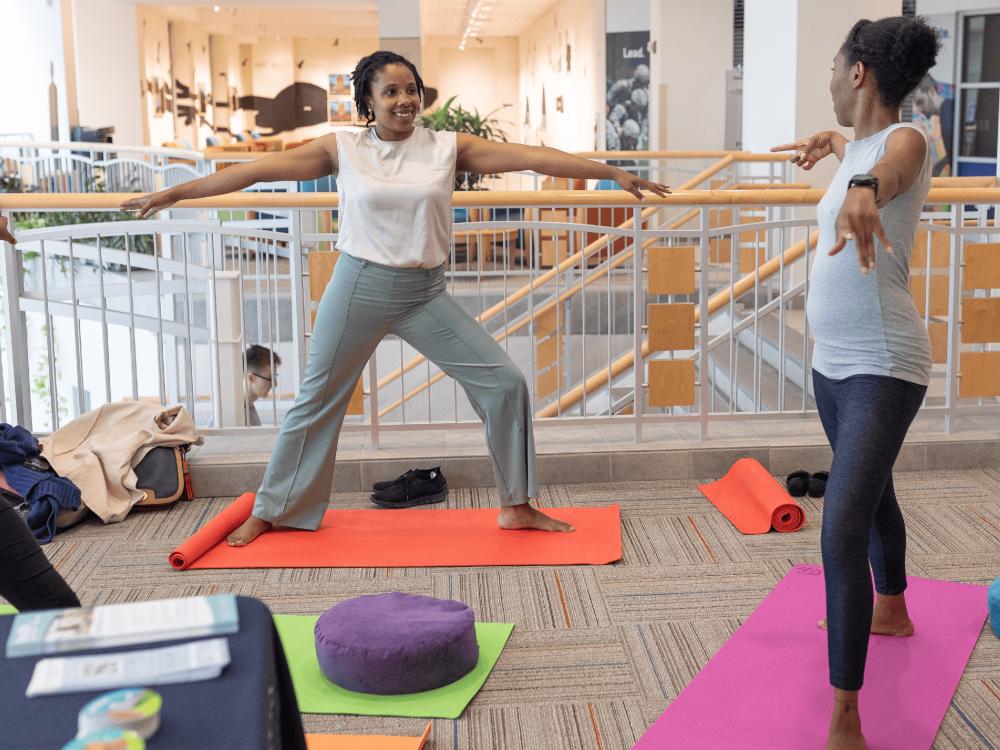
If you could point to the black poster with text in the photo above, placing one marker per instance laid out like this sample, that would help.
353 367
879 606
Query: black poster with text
627 91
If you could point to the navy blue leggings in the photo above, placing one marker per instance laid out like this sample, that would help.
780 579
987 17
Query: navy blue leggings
865 418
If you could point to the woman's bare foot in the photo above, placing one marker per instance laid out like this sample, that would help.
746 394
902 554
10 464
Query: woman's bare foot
249 530
845 723
523 516
889 617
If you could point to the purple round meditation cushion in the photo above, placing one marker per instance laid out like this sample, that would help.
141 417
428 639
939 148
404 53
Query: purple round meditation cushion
392 644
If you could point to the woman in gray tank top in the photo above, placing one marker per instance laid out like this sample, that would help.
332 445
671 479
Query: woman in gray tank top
872 362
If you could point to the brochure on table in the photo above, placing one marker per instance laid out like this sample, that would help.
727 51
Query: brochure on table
187 662
58 631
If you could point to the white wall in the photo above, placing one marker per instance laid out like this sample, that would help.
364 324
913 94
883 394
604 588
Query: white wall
694 49
628 15
320 58
32 41
191 65
155 68
482 76
106 46
930 7
542 64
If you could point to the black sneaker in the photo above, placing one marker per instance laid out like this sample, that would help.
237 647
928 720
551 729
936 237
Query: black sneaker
415 487
401 479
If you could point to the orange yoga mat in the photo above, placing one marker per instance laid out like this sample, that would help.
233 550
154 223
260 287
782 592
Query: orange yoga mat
410 538
754 500
366 742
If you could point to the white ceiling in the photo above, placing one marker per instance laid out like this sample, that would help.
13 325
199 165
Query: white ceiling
505 17
265 20
321 18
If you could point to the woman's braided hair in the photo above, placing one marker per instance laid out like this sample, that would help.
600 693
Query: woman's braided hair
364 75
899 50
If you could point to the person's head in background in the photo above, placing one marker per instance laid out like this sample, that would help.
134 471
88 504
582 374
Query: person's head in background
261 376
927 100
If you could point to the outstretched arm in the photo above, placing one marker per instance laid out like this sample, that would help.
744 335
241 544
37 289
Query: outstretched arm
491 157
815 147
316 159
897 170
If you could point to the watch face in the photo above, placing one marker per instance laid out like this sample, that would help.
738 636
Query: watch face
863 181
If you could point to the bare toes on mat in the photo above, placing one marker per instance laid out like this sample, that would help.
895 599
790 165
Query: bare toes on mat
525 517
249 530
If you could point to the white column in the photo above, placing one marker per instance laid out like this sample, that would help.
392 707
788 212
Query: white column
226 349
106 52
399 28
32 47
688 83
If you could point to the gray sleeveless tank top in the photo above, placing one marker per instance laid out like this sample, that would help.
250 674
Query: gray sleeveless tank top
869 325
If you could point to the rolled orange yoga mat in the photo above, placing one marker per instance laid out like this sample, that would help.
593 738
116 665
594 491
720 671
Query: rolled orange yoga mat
213 532
753 500
405 538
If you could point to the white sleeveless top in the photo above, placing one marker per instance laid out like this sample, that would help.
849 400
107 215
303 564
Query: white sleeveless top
869 325
395 197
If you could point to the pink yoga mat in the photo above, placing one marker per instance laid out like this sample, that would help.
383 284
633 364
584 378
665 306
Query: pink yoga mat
768 686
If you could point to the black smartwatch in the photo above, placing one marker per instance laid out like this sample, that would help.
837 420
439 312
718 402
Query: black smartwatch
864 180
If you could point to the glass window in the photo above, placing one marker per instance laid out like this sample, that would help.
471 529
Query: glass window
981 49
979 122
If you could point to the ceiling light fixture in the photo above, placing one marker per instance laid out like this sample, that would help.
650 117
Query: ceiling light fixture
476 13
216 8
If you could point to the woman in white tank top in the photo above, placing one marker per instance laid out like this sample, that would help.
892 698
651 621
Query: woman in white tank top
872 359
395 182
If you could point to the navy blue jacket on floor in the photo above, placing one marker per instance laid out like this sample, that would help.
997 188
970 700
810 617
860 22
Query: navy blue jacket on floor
45 493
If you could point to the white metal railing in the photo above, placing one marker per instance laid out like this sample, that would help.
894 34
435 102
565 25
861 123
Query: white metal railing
73 167
164 309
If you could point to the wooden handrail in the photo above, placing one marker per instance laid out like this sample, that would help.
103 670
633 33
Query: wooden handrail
484 199
964 182
715 303
771 186
639 155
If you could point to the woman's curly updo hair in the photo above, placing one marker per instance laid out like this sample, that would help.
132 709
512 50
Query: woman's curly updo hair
364 75
900 51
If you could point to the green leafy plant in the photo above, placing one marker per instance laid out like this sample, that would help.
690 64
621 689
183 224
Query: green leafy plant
452 117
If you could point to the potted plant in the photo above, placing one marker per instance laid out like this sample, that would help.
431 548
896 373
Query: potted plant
453 117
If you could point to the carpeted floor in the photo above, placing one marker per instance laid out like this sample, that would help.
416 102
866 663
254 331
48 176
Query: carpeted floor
598 652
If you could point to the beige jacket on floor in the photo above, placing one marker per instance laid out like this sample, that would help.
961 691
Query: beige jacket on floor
97 451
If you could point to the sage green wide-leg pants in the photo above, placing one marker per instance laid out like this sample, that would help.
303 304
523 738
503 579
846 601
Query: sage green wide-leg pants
364 302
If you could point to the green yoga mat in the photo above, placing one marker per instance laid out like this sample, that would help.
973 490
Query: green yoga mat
317 695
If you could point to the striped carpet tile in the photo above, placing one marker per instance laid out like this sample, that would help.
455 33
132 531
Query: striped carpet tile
598 651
